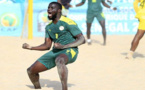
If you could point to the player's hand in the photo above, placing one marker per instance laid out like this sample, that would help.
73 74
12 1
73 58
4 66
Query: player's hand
58 46
114 8
26 46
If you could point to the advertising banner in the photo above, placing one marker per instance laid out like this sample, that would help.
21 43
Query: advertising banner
120 22
10 19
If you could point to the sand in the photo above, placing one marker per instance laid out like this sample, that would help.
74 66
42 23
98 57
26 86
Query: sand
97 67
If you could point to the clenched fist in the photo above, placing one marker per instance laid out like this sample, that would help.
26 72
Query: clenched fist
26 46
58 46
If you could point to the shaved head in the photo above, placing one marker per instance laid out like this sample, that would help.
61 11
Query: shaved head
59 6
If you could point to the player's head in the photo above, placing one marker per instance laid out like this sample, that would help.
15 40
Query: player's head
53 10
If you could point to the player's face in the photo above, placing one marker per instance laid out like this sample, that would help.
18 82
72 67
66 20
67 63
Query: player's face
52 11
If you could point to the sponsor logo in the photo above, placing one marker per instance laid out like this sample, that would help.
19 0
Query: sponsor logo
9 20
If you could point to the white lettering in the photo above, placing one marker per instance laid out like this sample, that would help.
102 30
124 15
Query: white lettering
135 28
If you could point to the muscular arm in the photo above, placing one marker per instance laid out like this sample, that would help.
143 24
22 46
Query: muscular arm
79 40
77 5
106 5
45 46
80 4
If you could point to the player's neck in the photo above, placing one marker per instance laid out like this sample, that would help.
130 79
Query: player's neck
57 18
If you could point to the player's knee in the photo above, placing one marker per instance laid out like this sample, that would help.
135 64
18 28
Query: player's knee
28 71
59 61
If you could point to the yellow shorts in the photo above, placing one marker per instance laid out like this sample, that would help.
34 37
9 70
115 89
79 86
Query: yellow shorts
141 23
141 17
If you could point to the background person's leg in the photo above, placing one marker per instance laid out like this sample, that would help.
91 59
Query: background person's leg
90 18
102 23
89 32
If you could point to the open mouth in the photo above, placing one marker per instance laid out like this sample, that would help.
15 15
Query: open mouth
49 14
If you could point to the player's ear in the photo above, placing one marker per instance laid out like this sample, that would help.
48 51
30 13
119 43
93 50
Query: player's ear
59 10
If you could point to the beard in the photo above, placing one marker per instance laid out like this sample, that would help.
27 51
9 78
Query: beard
53 17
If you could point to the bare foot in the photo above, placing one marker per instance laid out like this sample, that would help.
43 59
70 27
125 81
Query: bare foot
104 44
37 85
129 55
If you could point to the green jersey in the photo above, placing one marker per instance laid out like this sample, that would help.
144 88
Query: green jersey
94 5
63 31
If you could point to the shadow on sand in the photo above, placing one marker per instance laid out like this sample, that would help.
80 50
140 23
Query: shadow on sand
135 55
96 41
56 85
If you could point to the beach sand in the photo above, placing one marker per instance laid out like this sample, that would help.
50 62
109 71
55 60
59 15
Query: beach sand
97 67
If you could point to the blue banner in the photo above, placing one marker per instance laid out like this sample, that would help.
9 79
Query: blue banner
121 21
10 19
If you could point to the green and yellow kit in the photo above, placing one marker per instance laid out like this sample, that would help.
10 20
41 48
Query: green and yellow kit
63 32
94 10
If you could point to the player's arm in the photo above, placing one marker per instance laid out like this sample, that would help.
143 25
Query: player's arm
135 5
106 5
80 39
77 5
45 46
80 4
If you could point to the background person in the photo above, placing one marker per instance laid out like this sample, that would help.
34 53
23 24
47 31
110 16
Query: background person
65 6
95 11
140 15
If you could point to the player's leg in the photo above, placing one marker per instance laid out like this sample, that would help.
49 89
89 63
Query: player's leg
89 32
135 42
90 18
60 61
101 19
45 62
33 73
102 23
137 38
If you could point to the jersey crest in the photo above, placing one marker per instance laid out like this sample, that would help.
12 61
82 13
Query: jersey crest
61 28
